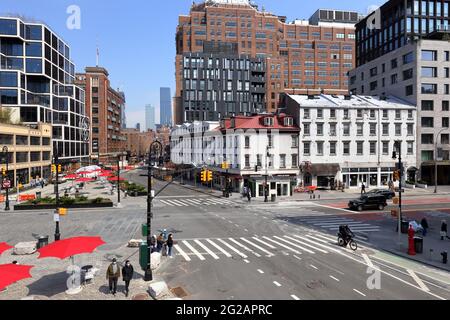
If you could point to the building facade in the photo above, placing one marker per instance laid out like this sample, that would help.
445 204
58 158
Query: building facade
302 55
138 143
150 123
165 105
104 106
349 140
256 148
37 83
29 152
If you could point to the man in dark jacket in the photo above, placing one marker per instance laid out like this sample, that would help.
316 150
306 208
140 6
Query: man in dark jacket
113 275
127 274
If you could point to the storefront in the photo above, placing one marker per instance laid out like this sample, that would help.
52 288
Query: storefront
371 177
281 186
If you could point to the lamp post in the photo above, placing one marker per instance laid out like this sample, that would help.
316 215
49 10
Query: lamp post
266 196
436 159
400 166
118 180
5 154
156 148
56 163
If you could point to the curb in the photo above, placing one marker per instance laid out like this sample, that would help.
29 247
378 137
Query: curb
415 260
197 190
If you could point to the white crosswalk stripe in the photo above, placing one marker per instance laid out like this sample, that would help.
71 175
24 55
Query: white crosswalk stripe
306 244
187 202
187 244
269 254
219 248
207 249
295 245
332 223
246 248
184 255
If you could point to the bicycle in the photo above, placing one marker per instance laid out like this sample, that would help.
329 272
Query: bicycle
350 242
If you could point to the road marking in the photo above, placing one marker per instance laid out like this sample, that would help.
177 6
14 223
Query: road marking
293 296
260 271
232 248
212 254
282 245
181 202
242 246
306 244
185 256
187 244
334 278
317 244
314 267
264 243
333 222
246 261
236 225
418 280
219 248
166 203
230 221
277 284
295 245
359 292
269 254
223 218
174 203
298 258
367 260
328 207
245 230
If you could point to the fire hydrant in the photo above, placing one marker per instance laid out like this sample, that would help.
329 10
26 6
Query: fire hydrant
411 234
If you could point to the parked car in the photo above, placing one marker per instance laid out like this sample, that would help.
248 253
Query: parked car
368 202
389 194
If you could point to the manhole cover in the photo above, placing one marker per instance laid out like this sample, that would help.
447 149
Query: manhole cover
141 296
179 292
315 284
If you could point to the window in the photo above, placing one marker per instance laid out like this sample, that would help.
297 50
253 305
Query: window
429 88
320 129
445 138
410 129
332 148
8 96
35 141
333 129
373 72
294 161
427 155
445 123
408 58
247 161
268 121
385 129
359 129
282 161
306 129
429 72
21 157
408 74
34 65
8 27
8 79
247 142
410 147
373 148
373 129
346 148
360 148
346 129
410 115
332 113
398 115
319 148
427 139
394 63
385 148
307 148
445 105
373 85
427 105
429 55
22 140
394 78
385 114
270 141
33 49
306 114
398 129
320 113
427 122
409 90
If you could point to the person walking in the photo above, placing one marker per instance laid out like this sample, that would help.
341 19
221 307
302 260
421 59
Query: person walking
249 195
127 274
425 226
153 243
244 192
113 275
169 245
444 230
159 243
363 188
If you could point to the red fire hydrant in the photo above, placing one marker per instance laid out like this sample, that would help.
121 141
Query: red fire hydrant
411 247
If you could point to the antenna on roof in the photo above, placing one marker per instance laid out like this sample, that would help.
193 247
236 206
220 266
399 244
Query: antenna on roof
98 54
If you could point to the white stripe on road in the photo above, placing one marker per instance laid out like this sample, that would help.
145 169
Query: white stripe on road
167 203
260 271
264 243
192 202
314 267
232 248
174 203
212 254
418 281
350 224
293 296
306 244
318 244
194 250
183 254
219 248
337 222
242 246
246 261
359 292
295 245
277 284
282 245
298 258
269 254
334 278
367 260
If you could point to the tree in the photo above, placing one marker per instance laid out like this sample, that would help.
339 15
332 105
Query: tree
6 115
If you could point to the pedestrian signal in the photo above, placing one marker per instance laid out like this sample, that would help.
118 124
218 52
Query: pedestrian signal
203 176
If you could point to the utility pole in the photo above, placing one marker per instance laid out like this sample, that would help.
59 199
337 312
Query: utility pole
118 181
56 164
266 196
5 154
436 160
400 166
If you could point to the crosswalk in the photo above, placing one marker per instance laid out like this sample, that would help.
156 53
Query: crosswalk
196 202
257 246
332 223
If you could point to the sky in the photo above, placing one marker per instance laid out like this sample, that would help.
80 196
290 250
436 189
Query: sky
136 38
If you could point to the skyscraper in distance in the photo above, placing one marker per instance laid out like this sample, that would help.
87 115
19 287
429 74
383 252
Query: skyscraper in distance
165 106
150 117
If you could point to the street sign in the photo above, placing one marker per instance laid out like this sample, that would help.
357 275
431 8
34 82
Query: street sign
6 184
56 217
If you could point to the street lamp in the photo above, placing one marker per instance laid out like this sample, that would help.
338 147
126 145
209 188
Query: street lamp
436 159
118 180
156 148
266 196
5 154
400 165
56 166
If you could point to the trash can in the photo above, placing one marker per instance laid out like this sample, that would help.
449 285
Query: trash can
405 227
273 197
42 242
143 255
38 195
418 244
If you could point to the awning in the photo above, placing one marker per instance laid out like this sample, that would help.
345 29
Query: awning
325 169
412 169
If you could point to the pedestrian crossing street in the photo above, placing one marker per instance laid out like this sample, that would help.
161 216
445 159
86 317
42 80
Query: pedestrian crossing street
332 223
189 202
257 246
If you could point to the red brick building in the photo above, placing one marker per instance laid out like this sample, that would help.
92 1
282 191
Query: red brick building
104 107
301 55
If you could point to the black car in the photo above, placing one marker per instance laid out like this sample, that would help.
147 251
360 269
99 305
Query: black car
389 194
368 202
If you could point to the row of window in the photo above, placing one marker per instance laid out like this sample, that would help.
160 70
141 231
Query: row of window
346 129
270 161
8 139
360 113
346 148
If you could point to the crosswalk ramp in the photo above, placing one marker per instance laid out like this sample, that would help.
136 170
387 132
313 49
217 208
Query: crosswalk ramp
257 246
196 202
332 223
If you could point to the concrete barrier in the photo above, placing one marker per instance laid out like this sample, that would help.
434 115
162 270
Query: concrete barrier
156 260
158 289
25 248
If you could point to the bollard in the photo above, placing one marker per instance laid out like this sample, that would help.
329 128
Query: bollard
314 197
319 196
310 196
444 257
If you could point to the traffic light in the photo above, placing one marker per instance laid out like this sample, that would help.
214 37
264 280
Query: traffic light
210 176
3 172
203 176
59 168
53 168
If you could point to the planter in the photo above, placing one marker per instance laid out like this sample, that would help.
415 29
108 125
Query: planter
410 186
422 186
23 207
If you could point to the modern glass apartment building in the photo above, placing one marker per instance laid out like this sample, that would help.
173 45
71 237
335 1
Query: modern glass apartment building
37 84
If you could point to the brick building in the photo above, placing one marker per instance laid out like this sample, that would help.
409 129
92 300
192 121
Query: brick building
104 106
301 55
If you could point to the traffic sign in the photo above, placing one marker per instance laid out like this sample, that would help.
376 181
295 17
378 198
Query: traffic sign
6 184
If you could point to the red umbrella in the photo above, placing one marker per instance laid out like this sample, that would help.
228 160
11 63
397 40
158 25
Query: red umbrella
70 247
11 273
71 177
84 172
84 180
4 247
105 174
97 170
116 179
312 188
